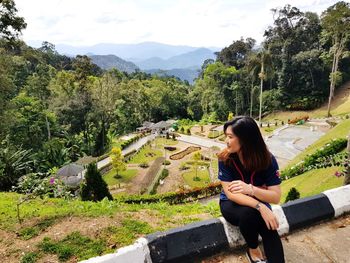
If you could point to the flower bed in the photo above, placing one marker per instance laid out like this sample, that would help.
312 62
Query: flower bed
182 154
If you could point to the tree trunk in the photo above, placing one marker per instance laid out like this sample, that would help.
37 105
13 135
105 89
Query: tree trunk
251 101
347 169
261 90
48 128
337 54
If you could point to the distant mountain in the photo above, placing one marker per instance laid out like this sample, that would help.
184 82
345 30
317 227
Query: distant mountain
112 61
193 58
188 74
130 52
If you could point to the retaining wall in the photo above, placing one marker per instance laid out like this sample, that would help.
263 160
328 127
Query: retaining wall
205 238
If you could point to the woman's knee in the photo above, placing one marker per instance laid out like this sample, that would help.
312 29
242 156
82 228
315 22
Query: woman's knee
249 216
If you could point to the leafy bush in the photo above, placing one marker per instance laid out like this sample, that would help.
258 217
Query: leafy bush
170 148
181 196
166 162
94 188
293 194
144 165
315 159
30 257
39 184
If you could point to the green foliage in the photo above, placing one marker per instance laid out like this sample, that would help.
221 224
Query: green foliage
331 148
293 194
94 188
13 164
74 244
117 160
41 185
30 257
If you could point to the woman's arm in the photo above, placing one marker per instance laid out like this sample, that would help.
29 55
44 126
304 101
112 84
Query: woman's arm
270 195
238 197
243 199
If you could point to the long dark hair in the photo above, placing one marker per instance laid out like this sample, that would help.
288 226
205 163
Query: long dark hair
256 156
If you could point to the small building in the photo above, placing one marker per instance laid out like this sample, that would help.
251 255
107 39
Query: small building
146 126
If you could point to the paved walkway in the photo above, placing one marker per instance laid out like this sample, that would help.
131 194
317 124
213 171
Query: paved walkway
328 242
131 147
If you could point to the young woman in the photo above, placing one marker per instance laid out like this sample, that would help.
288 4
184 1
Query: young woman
250 179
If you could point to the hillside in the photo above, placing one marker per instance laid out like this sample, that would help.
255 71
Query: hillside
188 74
186 60
112 61
340 106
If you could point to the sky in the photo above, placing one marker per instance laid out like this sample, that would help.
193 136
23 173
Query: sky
198 23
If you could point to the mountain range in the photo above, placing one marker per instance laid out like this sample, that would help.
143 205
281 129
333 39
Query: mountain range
178 60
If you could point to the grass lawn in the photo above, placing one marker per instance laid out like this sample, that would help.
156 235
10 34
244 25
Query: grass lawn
146 154
126 176
161 141
117 225
339 131
202 174
312 182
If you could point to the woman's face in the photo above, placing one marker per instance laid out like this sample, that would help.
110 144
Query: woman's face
232 141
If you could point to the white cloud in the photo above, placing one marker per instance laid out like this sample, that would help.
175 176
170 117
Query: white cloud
186 22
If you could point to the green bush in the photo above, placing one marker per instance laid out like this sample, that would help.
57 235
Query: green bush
293 194
330 149
30 257
94 188
144 165
166 162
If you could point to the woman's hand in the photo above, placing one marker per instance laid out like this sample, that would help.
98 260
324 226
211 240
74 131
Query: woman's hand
239 187
269 217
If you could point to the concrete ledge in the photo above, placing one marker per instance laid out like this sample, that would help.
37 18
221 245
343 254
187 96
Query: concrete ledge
306 211
340 199
184 244
234 236
283 227
137 252
188 243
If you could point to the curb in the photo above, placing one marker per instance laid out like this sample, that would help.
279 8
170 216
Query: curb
190 242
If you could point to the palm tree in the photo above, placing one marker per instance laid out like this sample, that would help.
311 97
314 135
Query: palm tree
260 64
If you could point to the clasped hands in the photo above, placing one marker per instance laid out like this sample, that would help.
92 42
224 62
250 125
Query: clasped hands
240 187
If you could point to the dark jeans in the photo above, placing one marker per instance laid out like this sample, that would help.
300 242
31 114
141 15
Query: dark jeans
251 224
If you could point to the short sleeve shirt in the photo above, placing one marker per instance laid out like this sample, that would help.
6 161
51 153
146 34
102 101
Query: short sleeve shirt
234 170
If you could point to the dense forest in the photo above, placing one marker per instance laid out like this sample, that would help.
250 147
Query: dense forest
54 108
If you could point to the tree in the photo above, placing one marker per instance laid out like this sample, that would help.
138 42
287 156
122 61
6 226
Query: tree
196 157
10 24
94 188
13 164
336 26
293 194
260 62
235 54
117 160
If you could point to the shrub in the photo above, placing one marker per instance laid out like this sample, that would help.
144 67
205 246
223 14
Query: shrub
188 131
293 194
315 159
170 148
30 257
94 188
144 165
166 162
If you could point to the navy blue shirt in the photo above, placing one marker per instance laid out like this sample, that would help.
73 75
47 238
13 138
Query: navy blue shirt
234 170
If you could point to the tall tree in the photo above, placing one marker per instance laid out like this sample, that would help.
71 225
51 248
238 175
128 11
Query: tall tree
336 26
117 160
235 54
11 25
